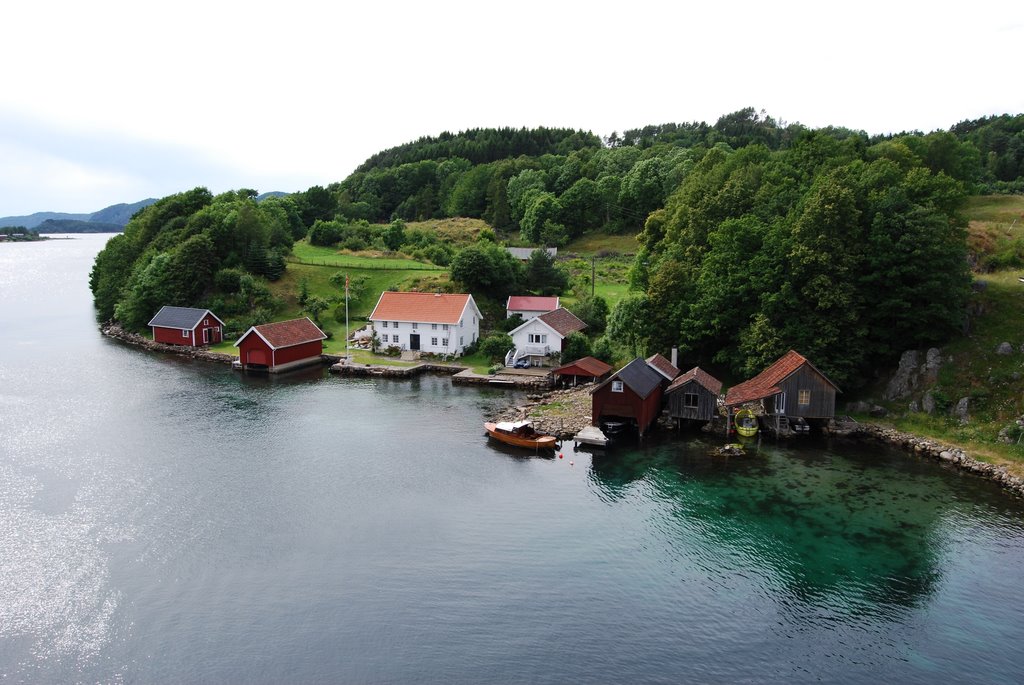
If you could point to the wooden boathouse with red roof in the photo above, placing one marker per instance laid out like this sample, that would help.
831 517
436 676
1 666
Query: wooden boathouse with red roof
790 388
693 396
281 345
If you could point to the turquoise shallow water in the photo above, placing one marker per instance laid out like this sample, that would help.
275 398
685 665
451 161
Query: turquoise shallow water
168 521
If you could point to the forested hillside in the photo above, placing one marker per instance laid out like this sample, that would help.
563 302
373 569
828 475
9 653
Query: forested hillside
754 235
194 248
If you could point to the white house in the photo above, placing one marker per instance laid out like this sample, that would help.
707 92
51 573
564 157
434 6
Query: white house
438 323
529 306
543 336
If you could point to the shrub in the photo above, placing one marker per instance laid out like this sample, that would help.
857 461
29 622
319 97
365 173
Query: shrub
494 347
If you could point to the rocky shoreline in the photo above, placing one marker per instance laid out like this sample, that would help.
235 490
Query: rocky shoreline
564 413
115 331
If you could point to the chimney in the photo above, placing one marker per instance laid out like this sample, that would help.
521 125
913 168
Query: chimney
675 357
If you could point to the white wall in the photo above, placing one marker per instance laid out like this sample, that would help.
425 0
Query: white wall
458 337
521 338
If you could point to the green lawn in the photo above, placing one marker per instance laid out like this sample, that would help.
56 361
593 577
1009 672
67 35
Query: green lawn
596 243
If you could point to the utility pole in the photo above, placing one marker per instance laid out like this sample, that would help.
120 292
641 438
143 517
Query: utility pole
593 275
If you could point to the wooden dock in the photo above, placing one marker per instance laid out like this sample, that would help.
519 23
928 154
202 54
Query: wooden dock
591 435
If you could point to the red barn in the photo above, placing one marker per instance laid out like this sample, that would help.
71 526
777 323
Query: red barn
633 394
186 326
281 345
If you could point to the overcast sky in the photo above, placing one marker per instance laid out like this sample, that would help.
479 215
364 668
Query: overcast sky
104 102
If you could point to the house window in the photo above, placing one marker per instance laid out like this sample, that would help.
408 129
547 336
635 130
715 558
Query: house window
616 386
538 338
206 322
184 333
444 327
384 324
462 340
433 326
474 320
415 325
805 398
691 400
394 324
444 342
433 341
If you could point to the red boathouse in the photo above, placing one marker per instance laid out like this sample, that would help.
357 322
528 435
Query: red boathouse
186 326
281 345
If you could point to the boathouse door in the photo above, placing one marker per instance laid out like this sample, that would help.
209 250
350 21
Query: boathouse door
414 341
257 357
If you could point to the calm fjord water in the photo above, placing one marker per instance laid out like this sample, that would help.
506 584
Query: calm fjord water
169 521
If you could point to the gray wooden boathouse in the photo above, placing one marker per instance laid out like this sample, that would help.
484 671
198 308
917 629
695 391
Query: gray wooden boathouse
693 396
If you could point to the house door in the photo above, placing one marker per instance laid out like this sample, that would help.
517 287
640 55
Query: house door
780 403
414 341
206 336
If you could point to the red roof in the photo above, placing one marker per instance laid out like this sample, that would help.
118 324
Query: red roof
663 366
588 366
286 333
531 303
421 307
703 378
766 383
562 321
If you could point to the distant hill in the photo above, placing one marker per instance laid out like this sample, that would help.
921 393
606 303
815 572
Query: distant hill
108 220
76 226
119 214
273 193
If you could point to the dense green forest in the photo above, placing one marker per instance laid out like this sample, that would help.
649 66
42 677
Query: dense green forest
754 235
194 248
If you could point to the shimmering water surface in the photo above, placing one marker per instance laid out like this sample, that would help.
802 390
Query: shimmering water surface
169 521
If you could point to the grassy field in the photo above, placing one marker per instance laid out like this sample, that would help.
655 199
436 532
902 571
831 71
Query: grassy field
598 243
304 253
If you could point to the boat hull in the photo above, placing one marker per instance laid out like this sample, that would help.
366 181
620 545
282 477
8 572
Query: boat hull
537 442
746 423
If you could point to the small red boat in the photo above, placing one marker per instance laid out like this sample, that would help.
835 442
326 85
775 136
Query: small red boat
520 434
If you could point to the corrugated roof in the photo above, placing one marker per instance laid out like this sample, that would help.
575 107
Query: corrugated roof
638 376
287 333
563 321
703 378
523 253
421 307
663 366
590 366
531 303
180 317
766 383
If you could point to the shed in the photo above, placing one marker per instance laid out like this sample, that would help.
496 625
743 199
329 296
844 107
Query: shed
523 253
693 396
633 393
589 369
186 326
281 345
791 387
